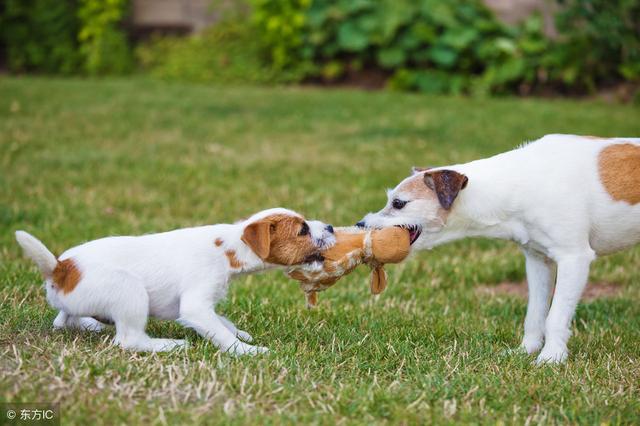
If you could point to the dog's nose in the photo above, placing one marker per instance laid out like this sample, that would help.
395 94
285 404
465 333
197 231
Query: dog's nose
360 224
329 228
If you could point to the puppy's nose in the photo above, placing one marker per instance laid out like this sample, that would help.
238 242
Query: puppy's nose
360 224
329 228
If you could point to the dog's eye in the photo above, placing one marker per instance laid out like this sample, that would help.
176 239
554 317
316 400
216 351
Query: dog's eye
398 204
304 230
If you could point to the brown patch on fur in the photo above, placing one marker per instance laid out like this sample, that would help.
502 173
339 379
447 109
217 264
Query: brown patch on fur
417 187
593 291
276 239
447 184
619 167
233 260
219 242
594 137
66 275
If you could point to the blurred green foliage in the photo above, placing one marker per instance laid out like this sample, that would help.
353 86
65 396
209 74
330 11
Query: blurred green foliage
431 46
228 52
452 46
65 37
600 42
104 46
40 35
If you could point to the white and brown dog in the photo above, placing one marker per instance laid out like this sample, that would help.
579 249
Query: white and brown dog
564 199
178 275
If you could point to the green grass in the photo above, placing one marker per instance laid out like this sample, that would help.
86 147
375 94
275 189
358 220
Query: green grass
82 159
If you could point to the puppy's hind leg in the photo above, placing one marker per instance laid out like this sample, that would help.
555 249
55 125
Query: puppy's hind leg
74 322
540 274
127 303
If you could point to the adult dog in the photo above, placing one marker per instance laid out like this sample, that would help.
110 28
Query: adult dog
564 199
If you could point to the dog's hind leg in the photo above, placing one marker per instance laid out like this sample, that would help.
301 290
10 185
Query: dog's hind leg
241 334
122 297
79 323
573 272
540 275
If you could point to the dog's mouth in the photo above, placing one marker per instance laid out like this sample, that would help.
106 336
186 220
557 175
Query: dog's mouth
414 232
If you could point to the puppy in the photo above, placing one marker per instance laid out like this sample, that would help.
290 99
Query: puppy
178 275
564 199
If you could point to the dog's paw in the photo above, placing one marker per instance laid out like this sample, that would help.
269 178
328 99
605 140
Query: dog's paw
164 345
78 323
90 324
552 354
531 345
240 348
243 335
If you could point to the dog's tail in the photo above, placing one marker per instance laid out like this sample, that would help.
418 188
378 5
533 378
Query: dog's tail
37 252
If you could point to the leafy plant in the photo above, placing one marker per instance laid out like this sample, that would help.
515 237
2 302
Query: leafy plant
40 35
452 46
600 42
65 36
103 44
282 25
225 53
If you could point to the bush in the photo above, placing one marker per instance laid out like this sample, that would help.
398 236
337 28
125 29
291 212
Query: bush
428 45
103 44
40 35
69 36
599 44
451 46
228 52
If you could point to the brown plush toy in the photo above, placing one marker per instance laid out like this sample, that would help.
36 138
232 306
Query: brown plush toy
353 247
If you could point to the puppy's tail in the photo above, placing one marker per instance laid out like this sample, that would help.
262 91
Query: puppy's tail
37 252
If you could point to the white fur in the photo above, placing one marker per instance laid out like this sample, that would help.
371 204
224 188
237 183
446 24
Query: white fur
547 197
178 275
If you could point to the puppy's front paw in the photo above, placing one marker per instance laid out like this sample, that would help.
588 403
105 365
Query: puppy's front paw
243 335
240 348
531 345
552 354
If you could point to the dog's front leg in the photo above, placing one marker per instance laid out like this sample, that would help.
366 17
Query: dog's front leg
573 272
241 334
540 275
196 312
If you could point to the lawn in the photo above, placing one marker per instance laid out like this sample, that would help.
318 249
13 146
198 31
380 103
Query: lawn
82 159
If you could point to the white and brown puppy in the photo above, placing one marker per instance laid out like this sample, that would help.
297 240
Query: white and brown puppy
178 275
564 199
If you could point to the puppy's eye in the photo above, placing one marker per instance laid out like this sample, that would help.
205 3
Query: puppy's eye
304 230
398 204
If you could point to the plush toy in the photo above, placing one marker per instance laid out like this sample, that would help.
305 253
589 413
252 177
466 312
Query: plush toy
353 247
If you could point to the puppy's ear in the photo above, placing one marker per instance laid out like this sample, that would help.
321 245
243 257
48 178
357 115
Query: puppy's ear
446 184
257 236
416 169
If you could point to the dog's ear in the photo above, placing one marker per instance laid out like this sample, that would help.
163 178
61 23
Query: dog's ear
257 236
446 184
416 169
